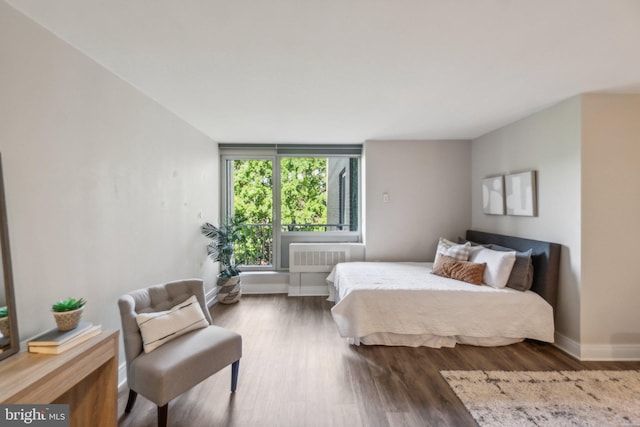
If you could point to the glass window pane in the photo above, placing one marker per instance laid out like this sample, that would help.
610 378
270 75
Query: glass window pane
319 194
253 208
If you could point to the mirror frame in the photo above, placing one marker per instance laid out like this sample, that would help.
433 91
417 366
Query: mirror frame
14 341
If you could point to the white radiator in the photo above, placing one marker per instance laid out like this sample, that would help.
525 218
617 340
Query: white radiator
316 257
309 264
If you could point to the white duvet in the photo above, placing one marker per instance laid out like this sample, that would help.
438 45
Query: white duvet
404 304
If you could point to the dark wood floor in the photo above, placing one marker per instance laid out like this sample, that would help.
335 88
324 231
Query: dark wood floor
296 372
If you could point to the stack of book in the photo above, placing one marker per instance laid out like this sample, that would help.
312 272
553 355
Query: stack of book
56 342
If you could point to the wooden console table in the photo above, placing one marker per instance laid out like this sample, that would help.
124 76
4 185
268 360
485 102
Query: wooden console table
85 377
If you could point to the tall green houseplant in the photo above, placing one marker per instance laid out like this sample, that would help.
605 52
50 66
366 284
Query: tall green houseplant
222 249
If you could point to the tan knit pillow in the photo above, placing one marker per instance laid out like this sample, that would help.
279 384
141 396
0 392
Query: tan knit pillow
465 271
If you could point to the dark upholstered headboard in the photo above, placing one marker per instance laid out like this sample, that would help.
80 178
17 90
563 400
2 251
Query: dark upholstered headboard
545 258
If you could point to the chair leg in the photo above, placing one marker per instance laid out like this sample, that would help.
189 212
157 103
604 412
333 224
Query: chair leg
235 367
131 401
163 413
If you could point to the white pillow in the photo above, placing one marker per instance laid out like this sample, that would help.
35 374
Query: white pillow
459 252
499 265
162 326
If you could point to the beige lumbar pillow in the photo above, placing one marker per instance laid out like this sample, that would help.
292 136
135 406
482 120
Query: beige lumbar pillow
162 326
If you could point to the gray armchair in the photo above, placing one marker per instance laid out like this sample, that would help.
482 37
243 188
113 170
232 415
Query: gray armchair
180 364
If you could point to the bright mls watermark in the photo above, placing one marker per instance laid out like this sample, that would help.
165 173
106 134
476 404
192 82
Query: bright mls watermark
34 415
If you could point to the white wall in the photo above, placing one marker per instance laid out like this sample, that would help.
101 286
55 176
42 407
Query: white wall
429 196
548 142
610 229
104 186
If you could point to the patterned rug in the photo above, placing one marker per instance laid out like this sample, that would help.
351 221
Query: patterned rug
559 398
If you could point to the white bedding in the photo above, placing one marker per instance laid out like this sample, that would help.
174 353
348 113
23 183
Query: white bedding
403 304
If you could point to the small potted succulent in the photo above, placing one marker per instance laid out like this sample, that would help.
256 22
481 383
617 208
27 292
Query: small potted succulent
4 321
68 313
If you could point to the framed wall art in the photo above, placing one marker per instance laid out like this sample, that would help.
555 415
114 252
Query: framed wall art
493 195
521 194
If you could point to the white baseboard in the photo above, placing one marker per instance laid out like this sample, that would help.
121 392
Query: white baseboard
122 375
308 291
265 288
598 352
264 282
618 352
211 297
251 288
566 344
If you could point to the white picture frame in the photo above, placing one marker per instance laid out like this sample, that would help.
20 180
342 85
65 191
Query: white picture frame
493 195
521 194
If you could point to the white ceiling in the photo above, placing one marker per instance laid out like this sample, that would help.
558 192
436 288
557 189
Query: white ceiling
353 70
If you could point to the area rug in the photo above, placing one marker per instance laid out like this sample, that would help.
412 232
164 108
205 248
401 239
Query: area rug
558 398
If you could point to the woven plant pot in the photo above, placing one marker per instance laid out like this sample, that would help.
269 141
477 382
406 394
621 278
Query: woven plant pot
229 290
4 326
67 320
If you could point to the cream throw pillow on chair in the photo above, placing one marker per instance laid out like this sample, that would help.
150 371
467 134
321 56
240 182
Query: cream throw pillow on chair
162 326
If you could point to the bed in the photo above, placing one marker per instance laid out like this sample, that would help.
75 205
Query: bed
380 303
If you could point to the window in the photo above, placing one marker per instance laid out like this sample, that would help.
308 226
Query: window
251 203
283 194
342 202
